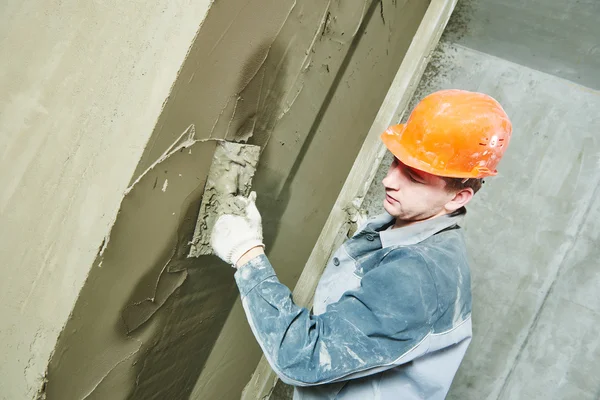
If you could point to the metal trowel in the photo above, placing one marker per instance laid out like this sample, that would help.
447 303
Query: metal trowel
230 175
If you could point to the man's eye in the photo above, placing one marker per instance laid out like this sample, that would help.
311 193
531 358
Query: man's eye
413 179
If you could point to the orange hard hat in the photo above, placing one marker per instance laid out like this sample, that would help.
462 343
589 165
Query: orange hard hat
452 133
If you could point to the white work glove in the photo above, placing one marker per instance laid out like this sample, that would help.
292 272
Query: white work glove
234 235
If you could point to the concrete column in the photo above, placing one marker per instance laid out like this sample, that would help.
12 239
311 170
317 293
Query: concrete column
82 83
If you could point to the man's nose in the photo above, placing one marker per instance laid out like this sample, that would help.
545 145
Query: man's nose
391 180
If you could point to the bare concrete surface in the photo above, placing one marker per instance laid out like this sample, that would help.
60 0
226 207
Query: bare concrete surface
533 230
524 228
554 36
82 85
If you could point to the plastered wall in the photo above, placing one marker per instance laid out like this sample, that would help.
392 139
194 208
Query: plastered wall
304 81
82 84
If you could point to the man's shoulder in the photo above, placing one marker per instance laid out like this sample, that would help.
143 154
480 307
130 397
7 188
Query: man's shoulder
434 254
449 243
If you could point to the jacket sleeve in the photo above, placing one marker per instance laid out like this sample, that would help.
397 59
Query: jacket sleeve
371 329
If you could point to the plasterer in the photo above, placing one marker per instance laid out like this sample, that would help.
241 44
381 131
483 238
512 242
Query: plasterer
392 312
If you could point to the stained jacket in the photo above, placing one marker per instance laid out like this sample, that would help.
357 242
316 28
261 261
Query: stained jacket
391 316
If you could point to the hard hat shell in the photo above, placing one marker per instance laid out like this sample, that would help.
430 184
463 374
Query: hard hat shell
452 133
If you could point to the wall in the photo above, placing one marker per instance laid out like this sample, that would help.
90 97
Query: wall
303 80
83 83
532 230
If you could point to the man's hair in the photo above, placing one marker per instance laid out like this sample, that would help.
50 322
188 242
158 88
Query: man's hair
457 184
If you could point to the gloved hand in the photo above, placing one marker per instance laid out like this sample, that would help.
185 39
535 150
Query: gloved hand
234 235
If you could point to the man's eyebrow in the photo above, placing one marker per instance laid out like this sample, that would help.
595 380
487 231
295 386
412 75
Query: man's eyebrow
420 174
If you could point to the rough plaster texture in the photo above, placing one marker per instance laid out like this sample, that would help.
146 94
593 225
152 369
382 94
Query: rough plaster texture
532 231
82 85
304 81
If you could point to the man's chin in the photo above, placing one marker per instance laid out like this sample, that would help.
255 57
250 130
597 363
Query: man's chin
390 209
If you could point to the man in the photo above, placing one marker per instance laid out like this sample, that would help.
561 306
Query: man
392 311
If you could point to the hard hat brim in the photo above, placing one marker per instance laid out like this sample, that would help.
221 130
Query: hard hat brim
392 139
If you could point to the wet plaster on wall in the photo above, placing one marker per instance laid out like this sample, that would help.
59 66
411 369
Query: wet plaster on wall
111 340
304 82
222 74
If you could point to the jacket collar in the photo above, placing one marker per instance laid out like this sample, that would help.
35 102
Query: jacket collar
414 233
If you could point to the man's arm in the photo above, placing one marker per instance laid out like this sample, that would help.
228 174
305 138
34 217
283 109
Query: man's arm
371 329
382 324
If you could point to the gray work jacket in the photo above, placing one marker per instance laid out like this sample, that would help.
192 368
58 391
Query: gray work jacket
391 316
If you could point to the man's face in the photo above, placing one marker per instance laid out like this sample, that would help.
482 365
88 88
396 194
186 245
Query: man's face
413 195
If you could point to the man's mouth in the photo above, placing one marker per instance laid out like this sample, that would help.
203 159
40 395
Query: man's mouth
390 199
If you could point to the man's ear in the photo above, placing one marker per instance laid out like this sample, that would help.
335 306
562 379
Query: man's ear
461 198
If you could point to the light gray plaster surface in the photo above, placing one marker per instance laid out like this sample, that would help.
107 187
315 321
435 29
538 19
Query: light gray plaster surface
82 85
560 37
531 233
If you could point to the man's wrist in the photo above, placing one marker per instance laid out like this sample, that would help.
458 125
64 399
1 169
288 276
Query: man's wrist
249 255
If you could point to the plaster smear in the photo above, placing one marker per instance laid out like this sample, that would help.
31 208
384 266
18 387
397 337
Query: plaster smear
115 326
230 175
226 57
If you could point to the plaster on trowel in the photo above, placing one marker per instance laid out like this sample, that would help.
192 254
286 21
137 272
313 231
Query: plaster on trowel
230 175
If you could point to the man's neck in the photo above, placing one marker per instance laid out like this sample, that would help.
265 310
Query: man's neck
399 223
